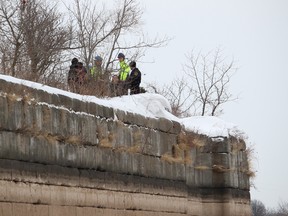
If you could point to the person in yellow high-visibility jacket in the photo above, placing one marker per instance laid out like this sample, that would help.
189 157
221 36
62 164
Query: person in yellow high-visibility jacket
124 67
123 74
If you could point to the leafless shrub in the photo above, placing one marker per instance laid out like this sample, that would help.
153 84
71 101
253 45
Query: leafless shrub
36 37
250 171
203 89
105 32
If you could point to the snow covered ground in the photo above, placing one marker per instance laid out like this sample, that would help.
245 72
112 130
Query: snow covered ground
150 105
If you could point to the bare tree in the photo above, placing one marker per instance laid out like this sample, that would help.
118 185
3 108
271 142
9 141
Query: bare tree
105 31
45 37
36 42
203 87
180 96
91 29
11 35
283 208
210 77
258 208
32 39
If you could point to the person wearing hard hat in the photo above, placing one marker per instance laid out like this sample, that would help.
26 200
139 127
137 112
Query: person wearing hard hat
123 74
96 70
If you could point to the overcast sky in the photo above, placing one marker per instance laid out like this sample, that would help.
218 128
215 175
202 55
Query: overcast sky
255 34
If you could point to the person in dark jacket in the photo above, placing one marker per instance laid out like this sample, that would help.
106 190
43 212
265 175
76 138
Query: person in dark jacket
73 75
134 79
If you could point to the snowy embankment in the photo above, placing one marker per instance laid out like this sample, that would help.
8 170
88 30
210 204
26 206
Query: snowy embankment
150 105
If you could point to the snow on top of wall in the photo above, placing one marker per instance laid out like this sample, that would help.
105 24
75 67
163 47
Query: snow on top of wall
150 105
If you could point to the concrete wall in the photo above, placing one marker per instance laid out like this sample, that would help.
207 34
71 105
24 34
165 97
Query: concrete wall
62 156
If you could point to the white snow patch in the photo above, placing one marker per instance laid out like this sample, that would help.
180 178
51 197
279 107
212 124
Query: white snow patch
149 105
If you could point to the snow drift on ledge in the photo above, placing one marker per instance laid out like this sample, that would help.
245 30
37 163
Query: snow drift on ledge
150 105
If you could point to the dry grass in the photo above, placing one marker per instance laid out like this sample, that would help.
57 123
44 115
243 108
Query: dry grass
46 115
105 143
134 149
202 168
73 139
177 152
28 99
250 171
189 140
170 159
237 145
111 137
220 169
188 160
13 97
137 138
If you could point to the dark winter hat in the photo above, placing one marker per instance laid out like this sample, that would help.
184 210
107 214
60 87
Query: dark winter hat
132 64
74 61
98 58
121 55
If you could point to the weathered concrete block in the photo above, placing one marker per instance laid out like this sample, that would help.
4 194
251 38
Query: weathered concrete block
47 123
237 144
166 142
73 124
136 164
120 163
222 160
99 159
152 123
112 127
157 143
56 100
55 119
234 178
180 172
15 113
63 123
151 166
120 136
203 177
108 112
129 117
38 118
100 111
164 125
89 130
221 179
71 155
120 114
203 160
243 181
5 86
176 128
190 176
78 106
21 147
220 145
3 111
40 151
139 120
64 101
6 140
28 116
41 96
14 146
242 160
